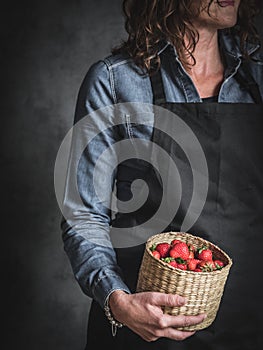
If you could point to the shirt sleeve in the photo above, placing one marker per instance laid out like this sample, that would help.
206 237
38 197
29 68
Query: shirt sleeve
86 223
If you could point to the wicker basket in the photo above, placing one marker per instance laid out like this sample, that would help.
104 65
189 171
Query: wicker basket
203 290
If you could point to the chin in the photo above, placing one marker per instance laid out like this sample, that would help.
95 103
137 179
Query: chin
227 23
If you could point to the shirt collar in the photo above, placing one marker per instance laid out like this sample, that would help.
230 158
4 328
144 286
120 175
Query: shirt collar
230 43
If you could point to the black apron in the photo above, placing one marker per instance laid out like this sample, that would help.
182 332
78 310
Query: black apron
231 136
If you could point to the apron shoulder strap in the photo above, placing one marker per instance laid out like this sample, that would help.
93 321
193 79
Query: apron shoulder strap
157 88
246 79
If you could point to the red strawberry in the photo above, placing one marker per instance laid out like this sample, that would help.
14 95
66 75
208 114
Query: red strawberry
192 263
180 250
212 264
219 264
163 249
205 254
173 263
156 254
182 266
207 266
175 241
197 270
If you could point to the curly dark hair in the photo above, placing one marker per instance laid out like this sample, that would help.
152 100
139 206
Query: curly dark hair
148 22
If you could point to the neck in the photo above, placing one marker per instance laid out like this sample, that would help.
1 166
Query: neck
207 55
208 71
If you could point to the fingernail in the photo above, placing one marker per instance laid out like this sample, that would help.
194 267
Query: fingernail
181 300
204 316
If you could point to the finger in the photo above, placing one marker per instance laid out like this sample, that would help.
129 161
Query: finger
163 299
181 320
174 334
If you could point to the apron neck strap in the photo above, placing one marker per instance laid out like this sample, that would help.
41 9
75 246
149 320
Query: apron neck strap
157 88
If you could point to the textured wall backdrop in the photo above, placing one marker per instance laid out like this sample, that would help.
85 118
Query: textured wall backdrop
47 47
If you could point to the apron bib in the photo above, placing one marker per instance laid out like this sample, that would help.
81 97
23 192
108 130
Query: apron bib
231 137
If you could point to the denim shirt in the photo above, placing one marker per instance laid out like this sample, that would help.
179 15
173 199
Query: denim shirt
111 81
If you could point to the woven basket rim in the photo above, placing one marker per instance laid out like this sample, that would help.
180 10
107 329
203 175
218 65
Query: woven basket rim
187 272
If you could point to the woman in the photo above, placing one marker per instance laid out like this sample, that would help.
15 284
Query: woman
199 51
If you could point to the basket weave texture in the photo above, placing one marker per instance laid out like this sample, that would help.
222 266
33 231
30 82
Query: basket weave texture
203 290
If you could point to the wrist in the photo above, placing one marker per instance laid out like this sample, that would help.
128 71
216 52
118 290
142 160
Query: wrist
115 298
112 300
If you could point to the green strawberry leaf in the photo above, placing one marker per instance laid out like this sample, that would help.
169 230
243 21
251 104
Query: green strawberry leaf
199 250
153 247
218 267
168 259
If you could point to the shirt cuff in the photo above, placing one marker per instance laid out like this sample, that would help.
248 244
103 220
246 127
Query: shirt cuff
107 284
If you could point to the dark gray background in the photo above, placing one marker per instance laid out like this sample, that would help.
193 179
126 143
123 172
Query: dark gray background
47 47
46 50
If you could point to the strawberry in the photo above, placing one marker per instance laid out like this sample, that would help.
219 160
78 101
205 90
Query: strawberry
156 254
219 264
173 263
207 266
212 265
205 254
175 241
163 249
180 250
197 270
191 255
182 266
192 263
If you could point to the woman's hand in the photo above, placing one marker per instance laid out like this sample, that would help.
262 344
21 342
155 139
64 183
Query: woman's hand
142 313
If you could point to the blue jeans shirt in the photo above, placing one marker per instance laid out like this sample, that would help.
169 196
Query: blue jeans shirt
111 81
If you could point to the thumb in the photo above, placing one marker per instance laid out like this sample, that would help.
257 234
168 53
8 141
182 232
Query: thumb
163 299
